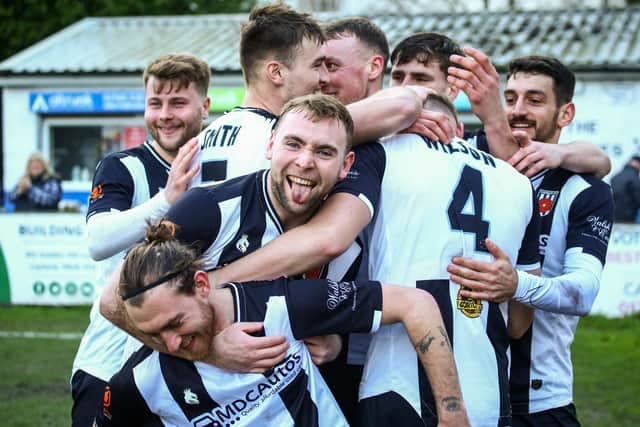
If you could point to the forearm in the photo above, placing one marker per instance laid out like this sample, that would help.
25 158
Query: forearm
328 234
421 318
295 252
584 157
571 293
520 318
111 232
500 139
384 113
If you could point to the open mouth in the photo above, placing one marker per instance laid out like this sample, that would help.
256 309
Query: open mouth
522 125
187 342
300 188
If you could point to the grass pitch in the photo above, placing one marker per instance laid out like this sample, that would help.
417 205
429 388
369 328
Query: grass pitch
34 373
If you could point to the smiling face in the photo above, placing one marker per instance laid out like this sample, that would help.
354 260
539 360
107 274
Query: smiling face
35 167
183 325
307 71
173 116
307 157
530 104
347 60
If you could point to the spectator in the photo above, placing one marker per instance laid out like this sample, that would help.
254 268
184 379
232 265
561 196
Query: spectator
626 191
38 189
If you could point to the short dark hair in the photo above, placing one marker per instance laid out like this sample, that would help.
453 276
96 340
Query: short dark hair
364 29
440 103
179 69
275 30
160 255
320 106
426 47
564 81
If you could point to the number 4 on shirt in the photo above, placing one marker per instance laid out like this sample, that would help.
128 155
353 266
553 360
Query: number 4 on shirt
469 185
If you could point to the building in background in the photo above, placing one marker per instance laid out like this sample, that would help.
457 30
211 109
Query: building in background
75 96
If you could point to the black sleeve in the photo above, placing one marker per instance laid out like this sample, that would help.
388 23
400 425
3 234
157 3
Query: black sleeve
112 187
590 219
197 217
365 177
320 307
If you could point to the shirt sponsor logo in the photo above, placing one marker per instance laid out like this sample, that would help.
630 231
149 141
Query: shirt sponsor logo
546 200
338 292
468 306
600 227
231 412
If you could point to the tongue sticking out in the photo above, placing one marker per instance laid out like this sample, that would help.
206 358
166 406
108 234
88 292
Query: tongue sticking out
300 190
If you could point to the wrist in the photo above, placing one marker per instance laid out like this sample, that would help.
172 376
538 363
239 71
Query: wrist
523 286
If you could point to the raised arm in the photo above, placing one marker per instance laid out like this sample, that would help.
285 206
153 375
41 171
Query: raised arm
112 231
419 313
479 80
385 112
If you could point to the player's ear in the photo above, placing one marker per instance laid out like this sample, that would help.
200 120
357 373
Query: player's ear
275 72
460 130
346 164
567 113
205 107
269 153
376 67
452 92
202 286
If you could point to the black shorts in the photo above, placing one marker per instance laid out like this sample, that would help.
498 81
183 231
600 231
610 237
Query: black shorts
564 416
87 392
391 410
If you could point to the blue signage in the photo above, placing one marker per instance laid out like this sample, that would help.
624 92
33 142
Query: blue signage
132 101
87 102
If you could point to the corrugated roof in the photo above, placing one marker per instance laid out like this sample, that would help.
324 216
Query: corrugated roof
584 39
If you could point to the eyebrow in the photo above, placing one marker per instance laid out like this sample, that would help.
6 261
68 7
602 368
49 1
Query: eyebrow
527 92
168 325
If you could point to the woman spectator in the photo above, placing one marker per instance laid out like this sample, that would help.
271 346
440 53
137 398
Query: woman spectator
38 189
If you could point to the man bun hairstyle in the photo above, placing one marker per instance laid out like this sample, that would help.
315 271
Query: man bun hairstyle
161 258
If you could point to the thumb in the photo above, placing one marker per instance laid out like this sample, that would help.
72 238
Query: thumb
522 138
250 327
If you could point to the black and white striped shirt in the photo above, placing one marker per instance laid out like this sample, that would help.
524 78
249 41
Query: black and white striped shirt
158 389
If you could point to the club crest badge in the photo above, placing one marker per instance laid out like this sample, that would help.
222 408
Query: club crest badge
546 200
190 397
468 306
243 243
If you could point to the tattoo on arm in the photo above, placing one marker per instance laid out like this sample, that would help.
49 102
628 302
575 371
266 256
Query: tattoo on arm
445 338
423 345
451 403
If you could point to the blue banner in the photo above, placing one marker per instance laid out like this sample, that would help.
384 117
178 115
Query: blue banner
87 102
